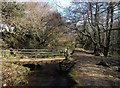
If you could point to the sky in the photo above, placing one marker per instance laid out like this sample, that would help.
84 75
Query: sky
60 5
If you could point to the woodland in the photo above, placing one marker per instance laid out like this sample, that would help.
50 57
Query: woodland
90 31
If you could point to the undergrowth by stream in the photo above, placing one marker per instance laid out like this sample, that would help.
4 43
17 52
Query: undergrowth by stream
14 75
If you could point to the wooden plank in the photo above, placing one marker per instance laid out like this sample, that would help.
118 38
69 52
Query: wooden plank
35 61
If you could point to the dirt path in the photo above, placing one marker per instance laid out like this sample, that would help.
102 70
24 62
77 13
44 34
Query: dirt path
90 74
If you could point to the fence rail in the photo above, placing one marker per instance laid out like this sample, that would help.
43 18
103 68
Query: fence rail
31 53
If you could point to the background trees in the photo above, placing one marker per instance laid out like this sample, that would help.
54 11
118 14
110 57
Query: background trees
31 25
38 25
10 12
94 23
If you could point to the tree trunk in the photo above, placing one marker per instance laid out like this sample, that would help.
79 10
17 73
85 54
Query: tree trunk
108 34
118 43
97 32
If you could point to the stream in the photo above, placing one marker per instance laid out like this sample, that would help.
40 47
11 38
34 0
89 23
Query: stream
49 75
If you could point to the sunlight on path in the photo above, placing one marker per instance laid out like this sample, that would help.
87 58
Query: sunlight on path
93 75
90 74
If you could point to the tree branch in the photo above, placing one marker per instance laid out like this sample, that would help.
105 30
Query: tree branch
89 36
111 29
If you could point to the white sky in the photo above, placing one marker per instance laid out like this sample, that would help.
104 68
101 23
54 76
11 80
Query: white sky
60 4
63 3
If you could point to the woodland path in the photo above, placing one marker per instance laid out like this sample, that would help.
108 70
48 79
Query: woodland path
90 74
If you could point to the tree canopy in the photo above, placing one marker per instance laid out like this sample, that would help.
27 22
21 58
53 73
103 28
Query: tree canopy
35 25
31 25
95 24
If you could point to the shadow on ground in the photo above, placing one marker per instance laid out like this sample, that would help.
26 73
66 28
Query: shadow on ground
88 73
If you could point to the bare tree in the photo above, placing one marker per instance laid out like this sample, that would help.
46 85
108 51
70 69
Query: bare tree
95 25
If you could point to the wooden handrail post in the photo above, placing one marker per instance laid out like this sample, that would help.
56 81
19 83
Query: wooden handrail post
66 54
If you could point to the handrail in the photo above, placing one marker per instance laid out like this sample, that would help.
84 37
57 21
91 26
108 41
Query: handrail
33 53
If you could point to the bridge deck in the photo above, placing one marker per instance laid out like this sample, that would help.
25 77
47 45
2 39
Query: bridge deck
35 61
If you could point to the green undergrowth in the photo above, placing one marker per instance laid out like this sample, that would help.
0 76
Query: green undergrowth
14 75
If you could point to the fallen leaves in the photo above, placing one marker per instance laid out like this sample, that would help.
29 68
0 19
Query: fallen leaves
14 75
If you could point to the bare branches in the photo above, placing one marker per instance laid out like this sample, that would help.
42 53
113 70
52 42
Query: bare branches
89 36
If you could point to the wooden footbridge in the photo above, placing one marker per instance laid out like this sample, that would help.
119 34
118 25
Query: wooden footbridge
32 56
35 61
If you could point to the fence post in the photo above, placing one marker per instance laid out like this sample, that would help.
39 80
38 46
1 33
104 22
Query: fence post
66 54
36 52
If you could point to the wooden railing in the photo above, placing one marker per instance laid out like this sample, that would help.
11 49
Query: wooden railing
31 53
